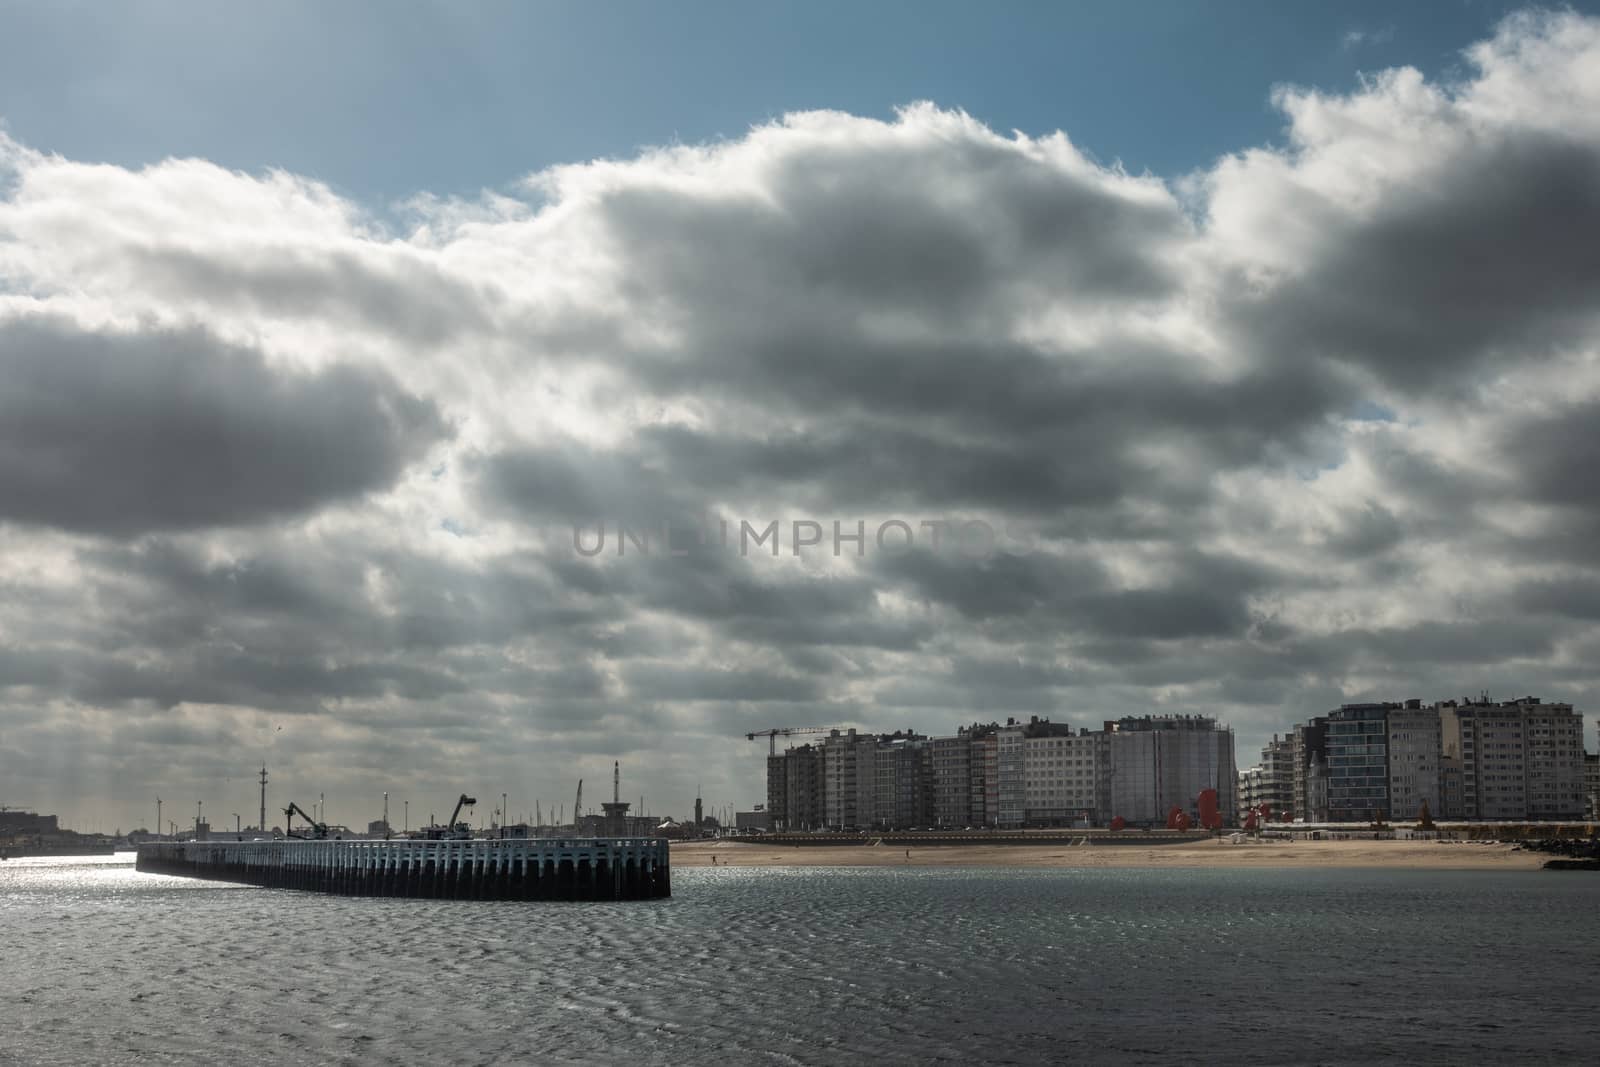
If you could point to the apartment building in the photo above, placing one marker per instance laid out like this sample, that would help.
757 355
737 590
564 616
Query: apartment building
1358 762
902 780
1414 754
1271 783
986 779
1467 759
1062 775
1011 787
1155 763
803 790
1591 785
961 769
951 758
849 779
1310 747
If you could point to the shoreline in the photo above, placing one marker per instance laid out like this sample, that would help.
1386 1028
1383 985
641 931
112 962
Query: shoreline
1408 855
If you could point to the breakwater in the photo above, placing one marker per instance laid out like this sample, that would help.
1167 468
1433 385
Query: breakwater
501 869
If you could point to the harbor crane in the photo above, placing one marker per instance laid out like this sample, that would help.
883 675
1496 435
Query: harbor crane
787 731
577 806
319 831
453 830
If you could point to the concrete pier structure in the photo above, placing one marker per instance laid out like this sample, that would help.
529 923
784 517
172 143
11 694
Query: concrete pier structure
505 869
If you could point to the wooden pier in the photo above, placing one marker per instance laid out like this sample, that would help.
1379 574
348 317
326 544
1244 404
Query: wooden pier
495 869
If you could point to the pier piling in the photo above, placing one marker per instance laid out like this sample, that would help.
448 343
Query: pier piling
504 869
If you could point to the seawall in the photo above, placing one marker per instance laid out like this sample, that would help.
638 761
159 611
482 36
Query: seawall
622 868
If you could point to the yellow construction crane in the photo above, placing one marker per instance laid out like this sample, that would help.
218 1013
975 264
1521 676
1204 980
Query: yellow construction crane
788 731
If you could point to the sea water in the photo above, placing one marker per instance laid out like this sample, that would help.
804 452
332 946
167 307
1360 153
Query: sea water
100 964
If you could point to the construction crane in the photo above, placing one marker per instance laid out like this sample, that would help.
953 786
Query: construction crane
787 731
577 806
457 831
318 830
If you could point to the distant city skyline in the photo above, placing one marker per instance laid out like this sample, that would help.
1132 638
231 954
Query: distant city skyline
1273 328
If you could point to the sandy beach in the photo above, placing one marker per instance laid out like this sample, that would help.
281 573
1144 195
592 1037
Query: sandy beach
1209 852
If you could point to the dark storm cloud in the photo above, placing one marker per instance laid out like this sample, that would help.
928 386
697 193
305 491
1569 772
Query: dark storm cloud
1456 642
172 429
1205 596
572 484
1557 455
658 682
303 597
860 463
1489 257
23 667
1167 613
1005 585
1009 673
1576 597
1369 531
223 673
936 227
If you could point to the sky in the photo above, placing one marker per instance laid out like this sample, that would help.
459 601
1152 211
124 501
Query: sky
1233 359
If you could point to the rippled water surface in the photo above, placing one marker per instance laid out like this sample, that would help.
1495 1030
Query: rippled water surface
99 964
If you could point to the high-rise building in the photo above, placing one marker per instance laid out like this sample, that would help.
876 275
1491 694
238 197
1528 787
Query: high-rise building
802 802
901 782
777 791
1270 784
1277 766
1012 786
1468 759
1554 736
986 779
951 758
1591 785
1415 769
1062 774
849 785
794 789
1494 773
956 776
1358 762
1519 759
1311 770
1156 763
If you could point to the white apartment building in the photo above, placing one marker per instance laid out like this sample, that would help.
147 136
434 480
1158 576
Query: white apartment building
1414 761
951 759
1271 783
1554 736
1516 759
849 779
1062 777
1011 789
